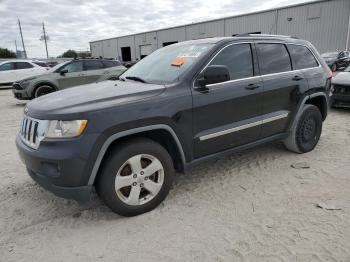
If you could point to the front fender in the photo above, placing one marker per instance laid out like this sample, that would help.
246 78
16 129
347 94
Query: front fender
125 133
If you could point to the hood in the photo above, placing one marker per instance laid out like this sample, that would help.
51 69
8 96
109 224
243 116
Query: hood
92 97
342 78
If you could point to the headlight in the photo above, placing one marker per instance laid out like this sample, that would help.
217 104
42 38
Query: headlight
64 129
25 83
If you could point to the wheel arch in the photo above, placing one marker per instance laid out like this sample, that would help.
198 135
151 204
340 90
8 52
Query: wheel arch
163 134
319 99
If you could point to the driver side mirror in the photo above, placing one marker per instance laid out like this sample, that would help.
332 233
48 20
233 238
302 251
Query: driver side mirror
63 72
212 75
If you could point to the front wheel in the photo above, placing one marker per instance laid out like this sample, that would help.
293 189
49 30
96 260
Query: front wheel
306 132
135 177
43 90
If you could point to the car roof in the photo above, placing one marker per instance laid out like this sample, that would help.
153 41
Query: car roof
19 60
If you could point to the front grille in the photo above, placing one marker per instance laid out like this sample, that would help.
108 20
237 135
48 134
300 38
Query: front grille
341 89
17 86
32 131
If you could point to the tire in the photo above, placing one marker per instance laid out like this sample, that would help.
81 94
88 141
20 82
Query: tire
334 67
306 131
134 197
43 90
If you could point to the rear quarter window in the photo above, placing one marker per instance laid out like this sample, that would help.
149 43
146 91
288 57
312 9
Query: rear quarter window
42 64
111 63
302 57
273 58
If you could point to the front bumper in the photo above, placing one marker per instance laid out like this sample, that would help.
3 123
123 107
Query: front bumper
340 95
20 93
340 100
61 169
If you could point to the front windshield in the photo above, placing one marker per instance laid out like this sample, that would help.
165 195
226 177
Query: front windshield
167 64
330 54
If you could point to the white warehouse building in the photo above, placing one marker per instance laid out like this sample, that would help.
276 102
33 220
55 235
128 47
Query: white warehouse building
324 23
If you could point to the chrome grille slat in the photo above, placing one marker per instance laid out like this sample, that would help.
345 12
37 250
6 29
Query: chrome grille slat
32 131
29 130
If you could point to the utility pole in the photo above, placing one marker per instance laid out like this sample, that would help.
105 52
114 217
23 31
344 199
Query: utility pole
20 30
45 39
16 46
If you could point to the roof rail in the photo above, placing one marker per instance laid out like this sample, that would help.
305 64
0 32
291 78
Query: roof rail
264 35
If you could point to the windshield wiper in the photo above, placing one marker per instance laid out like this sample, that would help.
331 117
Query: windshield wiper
136 78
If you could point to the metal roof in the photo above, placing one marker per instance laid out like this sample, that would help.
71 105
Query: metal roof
217 19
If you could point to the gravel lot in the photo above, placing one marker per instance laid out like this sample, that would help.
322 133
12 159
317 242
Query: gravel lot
251 206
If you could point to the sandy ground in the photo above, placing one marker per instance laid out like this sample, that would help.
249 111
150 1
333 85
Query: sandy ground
251 206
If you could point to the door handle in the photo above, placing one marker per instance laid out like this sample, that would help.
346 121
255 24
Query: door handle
252 86
81 75
297 78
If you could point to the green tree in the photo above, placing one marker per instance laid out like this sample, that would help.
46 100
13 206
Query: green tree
5 53
69 54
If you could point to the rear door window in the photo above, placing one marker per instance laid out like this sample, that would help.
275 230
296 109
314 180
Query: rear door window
302 57
92 65
23 65
273 58
238 59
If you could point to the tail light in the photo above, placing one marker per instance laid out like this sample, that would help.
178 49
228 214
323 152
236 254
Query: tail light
329 74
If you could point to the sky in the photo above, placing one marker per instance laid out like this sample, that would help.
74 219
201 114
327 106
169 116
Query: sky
71 24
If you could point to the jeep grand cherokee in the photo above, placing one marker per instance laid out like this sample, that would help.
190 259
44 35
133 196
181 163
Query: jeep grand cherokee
181 105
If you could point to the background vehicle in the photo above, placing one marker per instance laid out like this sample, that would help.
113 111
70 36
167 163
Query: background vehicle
337 60
340 90
15 70
65 75
181 105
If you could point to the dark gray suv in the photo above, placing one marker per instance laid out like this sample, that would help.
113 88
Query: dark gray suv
183 104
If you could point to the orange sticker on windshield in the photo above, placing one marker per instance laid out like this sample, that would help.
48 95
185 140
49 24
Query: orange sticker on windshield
179 61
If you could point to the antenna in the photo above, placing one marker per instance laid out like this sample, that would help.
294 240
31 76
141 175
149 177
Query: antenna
20 30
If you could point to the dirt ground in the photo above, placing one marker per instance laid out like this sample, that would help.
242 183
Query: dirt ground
251 206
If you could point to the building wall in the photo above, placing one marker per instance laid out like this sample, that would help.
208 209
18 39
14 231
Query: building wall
204 30
171 35
263 22
145 39
325 24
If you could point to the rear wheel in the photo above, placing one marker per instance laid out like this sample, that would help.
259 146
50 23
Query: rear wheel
136 177
306 132
43 90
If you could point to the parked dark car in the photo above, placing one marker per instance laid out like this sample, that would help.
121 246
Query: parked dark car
337 60
340 90
181 105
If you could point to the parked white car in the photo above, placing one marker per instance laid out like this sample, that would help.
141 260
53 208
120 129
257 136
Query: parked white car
16 70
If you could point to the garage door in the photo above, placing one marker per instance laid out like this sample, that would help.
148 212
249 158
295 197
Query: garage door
145 50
